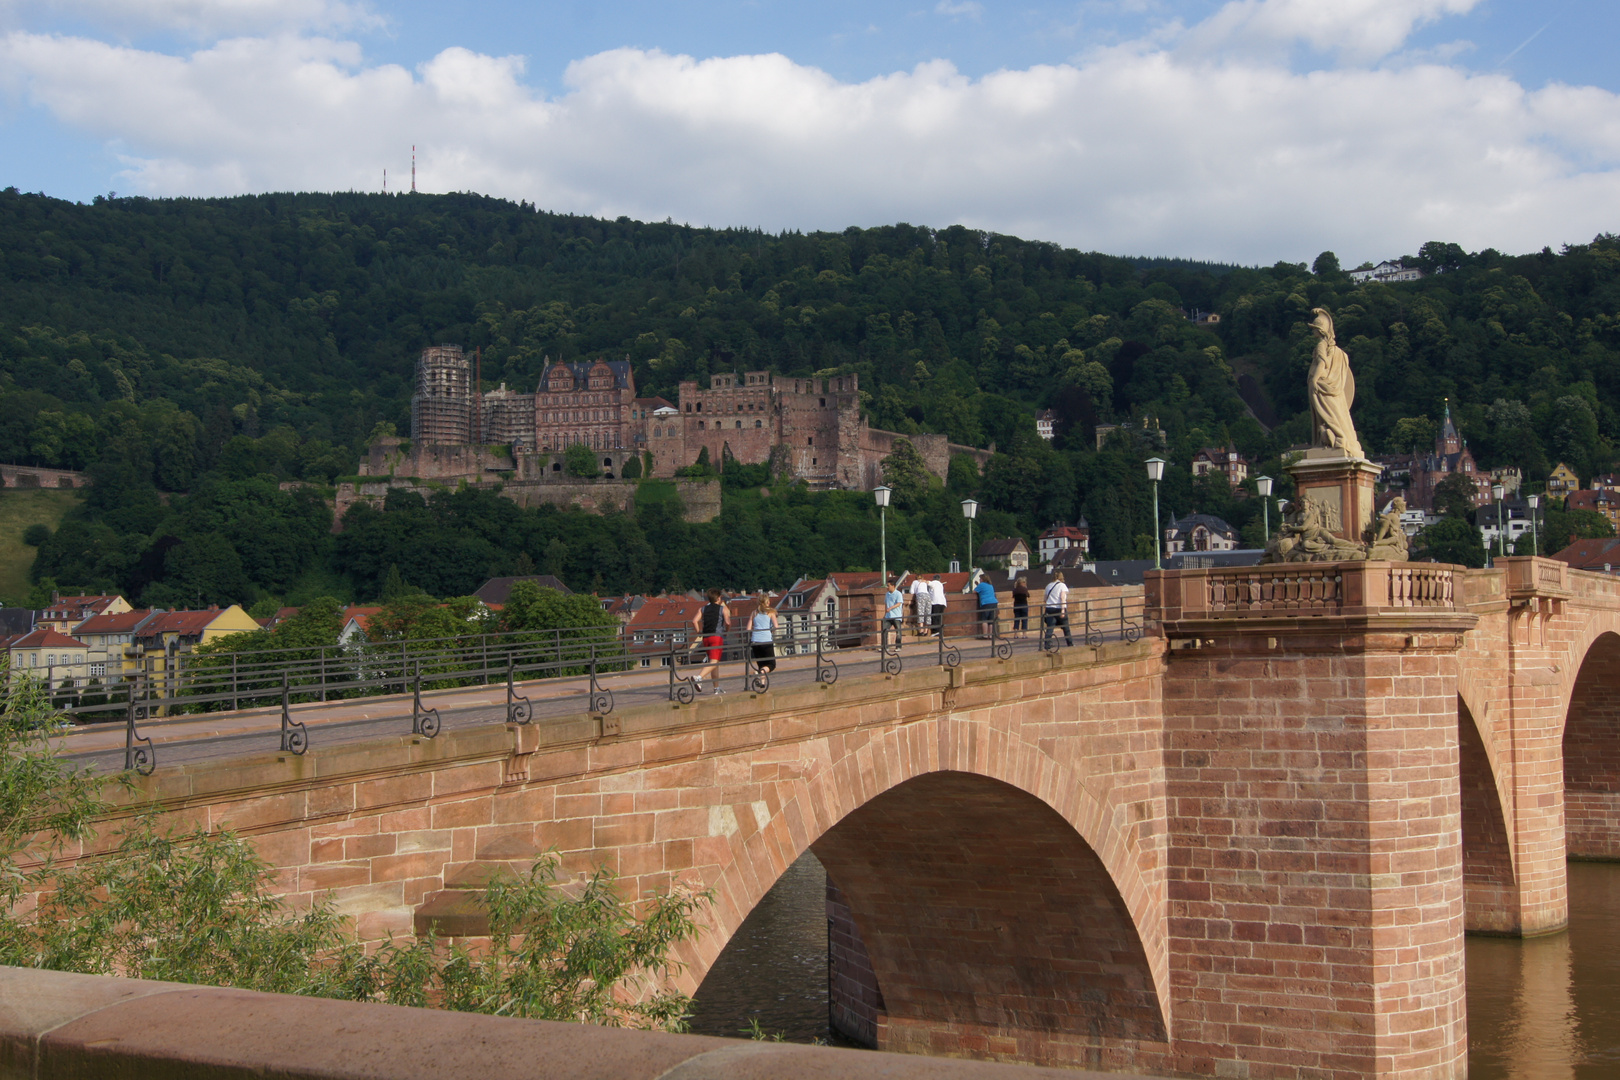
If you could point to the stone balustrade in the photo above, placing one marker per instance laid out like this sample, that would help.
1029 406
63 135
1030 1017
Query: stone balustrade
55 1026
1293 590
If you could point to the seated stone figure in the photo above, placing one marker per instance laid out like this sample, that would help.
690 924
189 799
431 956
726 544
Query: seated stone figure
1389 541
1304 537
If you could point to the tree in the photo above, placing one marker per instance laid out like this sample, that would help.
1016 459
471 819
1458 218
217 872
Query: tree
580 460
1411 433
1451 540
632 468
1560 528
906 474
1326 264
1455 496
36 534
200 907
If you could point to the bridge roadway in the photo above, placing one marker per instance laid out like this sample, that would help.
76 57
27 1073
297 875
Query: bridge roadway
1247 846
197 737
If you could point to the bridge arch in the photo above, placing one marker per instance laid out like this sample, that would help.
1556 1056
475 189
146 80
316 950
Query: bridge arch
1490 889
966 852
1591 752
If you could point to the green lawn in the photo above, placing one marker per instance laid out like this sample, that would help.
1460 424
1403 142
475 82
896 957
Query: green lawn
20 508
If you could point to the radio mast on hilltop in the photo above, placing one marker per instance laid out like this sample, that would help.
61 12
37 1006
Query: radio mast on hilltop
413 168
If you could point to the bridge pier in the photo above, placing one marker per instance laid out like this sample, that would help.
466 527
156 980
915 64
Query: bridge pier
1315 878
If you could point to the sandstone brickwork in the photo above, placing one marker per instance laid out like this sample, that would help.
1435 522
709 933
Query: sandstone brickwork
1248 847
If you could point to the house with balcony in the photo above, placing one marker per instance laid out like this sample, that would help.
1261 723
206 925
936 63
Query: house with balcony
1562 480
110 640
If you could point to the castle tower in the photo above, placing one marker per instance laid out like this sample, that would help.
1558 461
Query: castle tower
441 408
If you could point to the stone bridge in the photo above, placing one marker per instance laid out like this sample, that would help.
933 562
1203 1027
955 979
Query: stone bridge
1246 846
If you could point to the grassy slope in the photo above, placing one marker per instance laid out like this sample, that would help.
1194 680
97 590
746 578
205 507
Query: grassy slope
20 508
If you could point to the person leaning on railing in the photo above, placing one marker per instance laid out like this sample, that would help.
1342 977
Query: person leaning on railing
1056 603
986 593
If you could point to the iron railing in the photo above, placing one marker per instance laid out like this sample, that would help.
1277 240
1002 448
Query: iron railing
281 678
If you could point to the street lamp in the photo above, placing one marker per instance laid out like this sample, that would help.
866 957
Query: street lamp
1535 541
1155 468
881 494
1501 527
970 510
1262 484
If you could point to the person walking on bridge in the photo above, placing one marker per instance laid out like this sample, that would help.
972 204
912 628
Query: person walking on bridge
1056 603
762 634
710 624
894 607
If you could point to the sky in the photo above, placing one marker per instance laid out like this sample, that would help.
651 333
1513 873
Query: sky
1238 130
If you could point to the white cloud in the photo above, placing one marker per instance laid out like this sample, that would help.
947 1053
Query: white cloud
956 9
1136 149
1355 30
212 18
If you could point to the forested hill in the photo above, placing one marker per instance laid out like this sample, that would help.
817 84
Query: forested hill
164 341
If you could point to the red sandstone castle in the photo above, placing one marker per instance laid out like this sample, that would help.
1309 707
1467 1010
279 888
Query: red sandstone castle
811 428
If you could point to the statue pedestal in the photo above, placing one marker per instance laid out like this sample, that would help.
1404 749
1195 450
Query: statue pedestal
1341 487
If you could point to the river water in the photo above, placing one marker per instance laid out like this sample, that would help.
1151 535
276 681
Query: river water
1543 1009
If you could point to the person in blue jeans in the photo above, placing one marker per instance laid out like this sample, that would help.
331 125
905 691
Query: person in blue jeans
986 593
894 607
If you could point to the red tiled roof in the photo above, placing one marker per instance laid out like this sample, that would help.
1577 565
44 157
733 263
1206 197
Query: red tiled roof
45 638
1586 499
179 622
675 612
77 607
1590 554
122 623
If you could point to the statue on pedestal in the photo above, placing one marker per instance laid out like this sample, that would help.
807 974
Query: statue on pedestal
1332 390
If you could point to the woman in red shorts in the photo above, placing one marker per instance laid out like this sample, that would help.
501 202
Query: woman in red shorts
710 624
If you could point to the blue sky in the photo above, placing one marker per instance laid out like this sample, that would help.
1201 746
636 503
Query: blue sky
1250 130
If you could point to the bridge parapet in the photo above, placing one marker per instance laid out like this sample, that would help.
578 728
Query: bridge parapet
1295 590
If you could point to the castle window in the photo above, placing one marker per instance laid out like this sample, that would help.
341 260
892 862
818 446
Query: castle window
759 423
700 425
739 423
811 441
823 403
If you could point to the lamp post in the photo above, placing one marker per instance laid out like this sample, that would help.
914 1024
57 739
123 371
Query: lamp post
1155 468
970 510
1501 526
1262 484
1535 541
881 494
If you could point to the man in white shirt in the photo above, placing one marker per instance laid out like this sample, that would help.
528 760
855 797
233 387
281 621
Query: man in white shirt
936 596
1056 612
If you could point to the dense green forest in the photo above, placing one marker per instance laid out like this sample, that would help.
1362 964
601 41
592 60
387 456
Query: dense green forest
191 354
